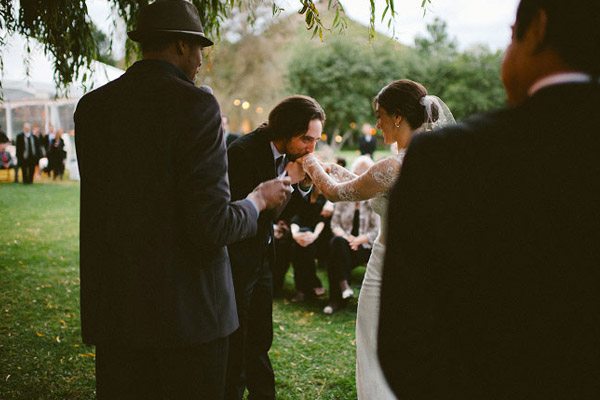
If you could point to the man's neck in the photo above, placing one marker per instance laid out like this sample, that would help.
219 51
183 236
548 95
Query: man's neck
167 56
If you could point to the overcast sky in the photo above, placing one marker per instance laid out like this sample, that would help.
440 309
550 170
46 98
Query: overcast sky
469 21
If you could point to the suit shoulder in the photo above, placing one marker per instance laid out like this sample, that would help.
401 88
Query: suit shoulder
476 129
248 141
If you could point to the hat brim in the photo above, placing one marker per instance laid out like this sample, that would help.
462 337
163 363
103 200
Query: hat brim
138 36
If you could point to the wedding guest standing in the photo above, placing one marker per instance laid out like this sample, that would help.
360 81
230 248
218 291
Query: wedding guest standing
156 291
490 281
367 144
56 155
29 152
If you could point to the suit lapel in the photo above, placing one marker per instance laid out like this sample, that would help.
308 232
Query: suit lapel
266 162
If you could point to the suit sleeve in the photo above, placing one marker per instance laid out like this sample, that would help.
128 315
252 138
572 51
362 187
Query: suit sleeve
210 216
406 345
240 172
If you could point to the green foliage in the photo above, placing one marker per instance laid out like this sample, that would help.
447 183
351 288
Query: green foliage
344 75
65 30
104 44
437 42
41 354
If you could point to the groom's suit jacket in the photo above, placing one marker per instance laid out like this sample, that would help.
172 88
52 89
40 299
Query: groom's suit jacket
250 163
491 283
155 220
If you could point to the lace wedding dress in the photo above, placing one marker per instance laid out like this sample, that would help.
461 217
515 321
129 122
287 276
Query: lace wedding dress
374 184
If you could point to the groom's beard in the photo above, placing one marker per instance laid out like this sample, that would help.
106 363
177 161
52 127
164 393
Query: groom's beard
293 157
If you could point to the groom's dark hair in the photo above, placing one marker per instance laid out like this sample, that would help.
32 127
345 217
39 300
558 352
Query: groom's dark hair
573 29
292 115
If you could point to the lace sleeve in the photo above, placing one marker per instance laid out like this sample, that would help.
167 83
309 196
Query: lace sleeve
340 173
376 181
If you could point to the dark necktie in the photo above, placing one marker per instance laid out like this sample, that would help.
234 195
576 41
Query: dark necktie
280 165
31 147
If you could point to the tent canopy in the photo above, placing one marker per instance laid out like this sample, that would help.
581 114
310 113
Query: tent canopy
29 90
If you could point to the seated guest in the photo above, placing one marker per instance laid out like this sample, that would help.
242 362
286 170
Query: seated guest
6 159
282 238
354 226
310 233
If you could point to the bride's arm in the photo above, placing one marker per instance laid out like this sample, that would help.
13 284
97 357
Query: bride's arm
340 173
376 181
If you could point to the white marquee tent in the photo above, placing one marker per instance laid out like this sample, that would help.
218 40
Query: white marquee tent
29 91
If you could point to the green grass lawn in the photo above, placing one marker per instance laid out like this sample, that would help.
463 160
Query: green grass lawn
41 354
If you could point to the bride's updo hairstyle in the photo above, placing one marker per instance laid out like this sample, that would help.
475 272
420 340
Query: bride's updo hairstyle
406 99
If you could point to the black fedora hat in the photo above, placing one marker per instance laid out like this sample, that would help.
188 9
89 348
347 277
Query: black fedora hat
168 17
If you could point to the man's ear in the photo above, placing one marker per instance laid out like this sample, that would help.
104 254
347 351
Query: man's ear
536 34
180 46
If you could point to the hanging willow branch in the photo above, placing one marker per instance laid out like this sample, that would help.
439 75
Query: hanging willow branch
64 28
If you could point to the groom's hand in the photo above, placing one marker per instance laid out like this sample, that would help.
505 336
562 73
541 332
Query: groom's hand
271 194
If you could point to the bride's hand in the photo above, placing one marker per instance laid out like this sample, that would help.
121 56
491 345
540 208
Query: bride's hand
310 160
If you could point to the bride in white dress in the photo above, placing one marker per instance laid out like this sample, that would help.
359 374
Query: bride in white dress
402 109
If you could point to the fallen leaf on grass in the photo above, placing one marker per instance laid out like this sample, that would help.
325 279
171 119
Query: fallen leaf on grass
39 334
89 355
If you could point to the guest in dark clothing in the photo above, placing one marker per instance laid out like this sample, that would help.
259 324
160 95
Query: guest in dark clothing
367 144
46 140
29 151
56 156
490 280
282 238
311 233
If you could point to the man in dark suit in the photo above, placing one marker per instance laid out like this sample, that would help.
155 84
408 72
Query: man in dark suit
293 129
29 151
490 286
367 144
156 290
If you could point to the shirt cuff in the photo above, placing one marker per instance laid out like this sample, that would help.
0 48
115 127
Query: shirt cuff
254 206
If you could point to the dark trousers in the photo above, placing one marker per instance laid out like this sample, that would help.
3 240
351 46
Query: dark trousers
196 372
305 268
28 170
249 365
342 260
281 263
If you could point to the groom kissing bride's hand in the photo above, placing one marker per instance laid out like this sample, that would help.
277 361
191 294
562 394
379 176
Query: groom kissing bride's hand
296 173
